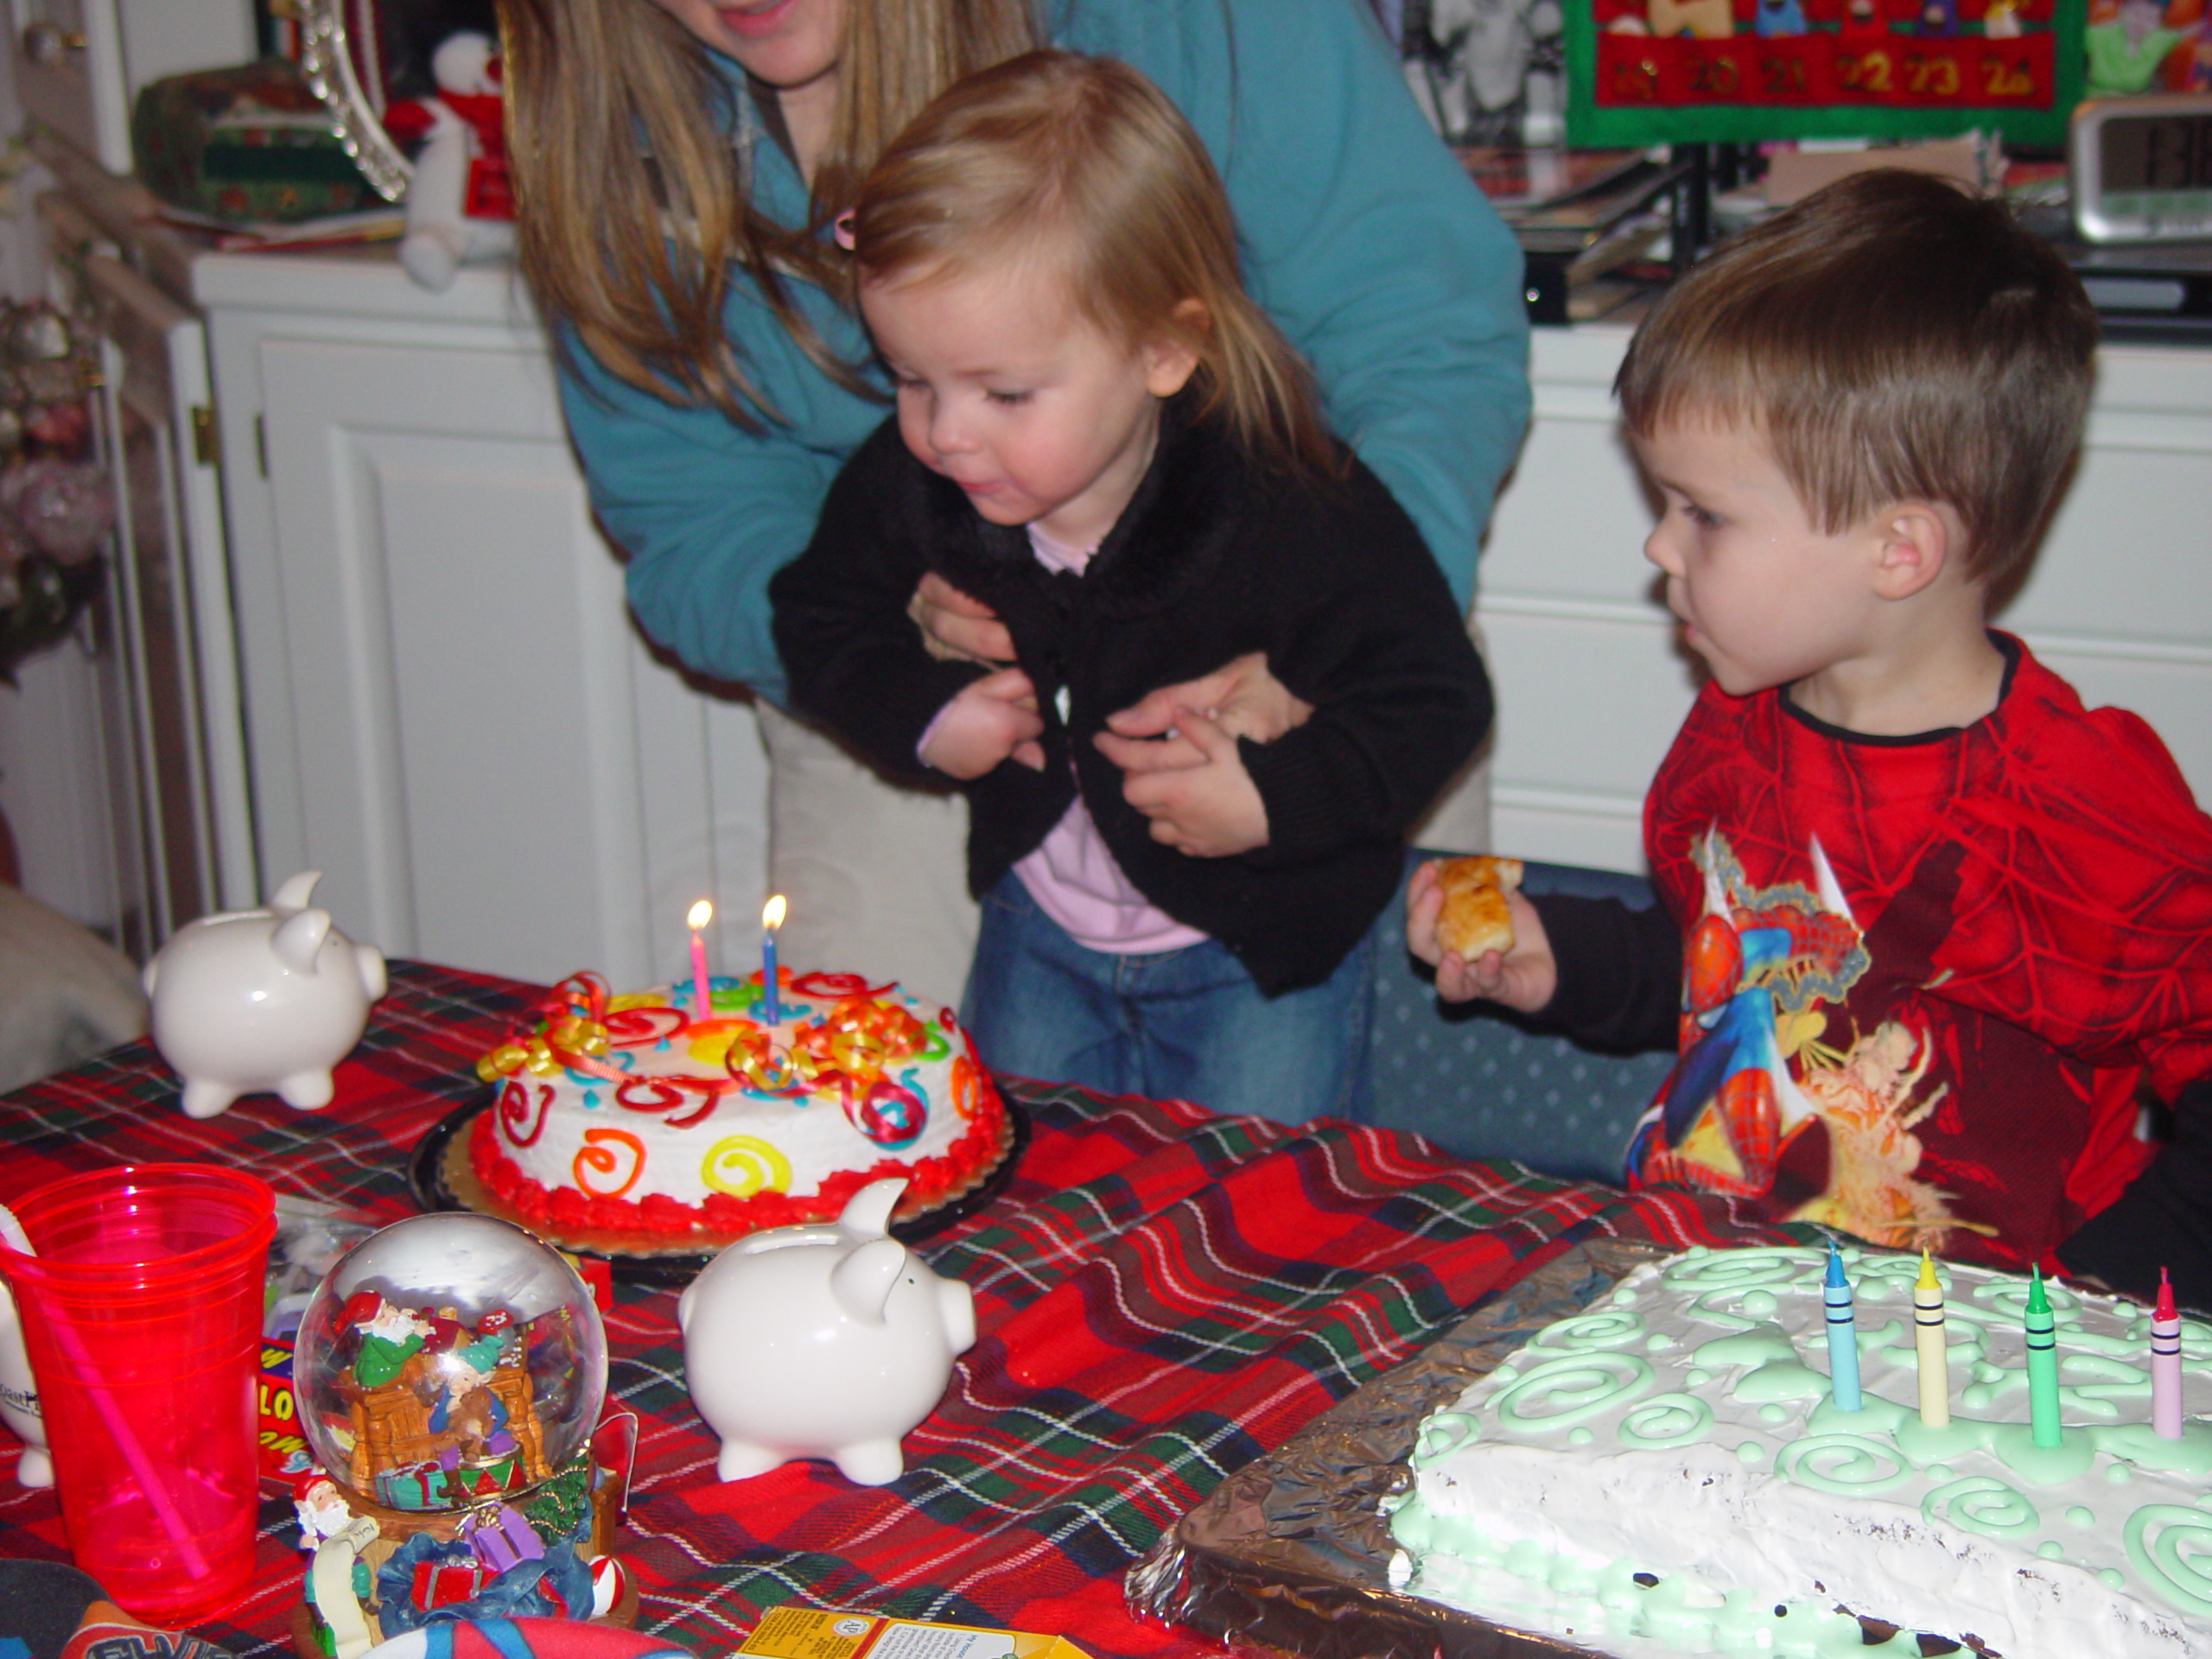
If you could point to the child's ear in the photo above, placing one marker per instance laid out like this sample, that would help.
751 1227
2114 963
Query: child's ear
1917 540
1170 357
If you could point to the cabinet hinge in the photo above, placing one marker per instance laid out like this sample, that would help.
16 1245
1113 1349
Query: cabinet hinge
261 444
203 433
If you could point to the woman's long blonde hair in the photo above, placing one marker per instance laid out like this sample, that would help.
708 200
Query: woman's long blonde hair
632 214
1083 168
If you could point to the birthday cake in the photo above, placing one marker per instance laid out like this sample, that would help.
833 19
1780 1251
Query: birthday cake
634 1115
1671 1472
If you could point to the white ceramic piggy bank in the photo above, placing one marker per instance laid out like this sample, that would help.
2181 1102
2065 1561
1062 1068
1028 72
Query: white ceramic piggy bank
822 1342
19 1398
260 999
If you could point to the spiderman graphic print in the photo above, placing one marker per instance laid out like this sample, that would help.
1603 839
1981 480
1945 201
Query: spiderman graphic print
1925 979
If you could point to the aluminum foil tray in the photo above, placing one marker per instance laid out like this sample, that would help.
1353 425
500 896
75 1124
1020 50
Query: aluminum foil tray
1288 1555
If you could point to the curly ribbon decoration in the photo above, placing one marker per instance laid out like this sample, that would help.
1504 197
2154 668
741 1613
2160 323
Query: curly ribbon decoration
2181 1579
890 1113
596 1157
514 1111
1666 1420
571 1036
1845 1465
859 1036
764 1068
1985 1504
1571 1389
742 1165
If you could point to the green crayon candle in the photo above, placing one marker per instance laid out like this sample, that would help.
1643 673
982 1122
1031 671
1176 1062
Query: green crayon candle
2043 1365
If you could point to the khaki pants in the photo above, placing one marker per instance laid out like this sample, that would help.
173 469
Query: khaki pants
877 875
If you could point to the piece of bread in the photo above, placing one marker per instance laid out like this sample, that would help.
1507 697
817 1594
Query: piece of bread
1475 917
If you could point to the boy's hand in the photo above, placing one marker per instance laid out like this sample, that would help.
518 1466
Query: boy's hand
1209 808
991 718
1523 978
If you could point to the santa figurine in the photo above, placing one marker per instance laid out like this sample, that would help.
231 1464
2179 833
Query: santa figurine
459 207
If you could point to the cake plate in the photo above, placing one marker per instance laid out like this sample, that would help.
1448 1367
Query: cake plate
440 1176
1290 1555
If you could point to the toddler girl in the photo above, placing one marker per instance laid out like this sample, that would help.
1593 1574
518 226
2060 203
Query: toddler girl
1103 438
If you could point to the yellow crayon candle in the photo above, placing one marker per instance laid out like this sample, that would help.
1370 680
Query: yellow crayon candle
1928 1345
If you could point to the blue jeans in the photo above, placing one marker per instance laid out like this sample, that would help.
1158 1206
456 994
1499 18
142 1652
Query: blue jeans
1184 1025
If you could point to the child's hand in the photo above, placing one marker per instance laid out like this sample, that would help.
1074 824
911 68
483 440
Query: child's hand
1242 696
991 718
1209 808
1523 978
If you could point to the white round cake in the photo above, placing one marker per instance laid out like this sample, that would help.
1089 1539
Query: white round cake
1668 1473
633 1114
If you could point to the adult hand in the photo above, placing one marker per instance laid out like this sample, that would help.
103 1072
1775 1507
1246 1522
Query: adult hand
1241 696
1523 978
1211 808
956 628
992 719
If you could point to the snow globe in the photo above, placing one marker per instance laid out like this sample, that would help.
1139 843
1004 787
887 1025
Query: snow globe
446 1361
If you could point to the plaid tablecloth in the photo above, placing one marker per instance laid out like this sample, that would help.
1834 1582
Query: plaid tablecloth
1162 1295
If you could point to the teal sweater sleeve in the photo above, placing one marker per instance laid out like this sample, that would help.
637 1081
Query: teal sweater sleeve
1362 236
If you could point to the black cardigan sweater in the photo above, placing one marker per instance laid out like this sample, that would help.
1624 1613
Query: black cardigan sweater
1212 558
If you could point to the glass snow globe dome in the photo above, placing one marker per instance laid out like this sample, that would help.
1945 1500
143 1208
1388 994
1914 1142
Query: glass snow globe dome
447 1360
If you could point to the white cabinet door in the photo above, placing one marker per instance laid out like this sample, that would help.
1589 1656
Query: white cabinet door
482 757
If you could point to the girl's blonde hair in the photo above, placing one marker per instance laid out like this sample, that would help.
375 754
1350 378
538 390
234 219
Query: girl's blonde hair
633 215
1082 166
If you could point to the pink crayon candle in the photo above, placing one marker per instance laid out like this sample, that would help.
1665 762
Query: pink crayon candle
701 914
2165 1362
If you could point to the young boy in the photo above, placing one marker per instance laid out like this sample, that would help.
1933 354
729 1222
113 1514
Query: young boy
1927 924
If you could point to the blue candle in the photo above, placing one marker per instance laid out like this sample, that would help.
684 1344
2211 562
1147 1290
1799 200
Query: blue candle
771 918
1843 1335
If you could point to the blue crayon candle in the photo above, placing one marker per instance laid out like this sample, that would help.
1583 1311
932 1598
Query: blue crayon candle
1843 1335
2043 1365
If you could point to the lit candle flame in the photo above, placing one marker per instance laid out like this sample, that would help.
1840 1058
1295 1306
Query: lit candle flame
772 913
699 915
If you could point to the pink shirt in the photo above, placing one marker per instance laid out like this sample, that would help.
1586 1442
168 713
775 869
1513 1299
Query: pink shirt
1072 875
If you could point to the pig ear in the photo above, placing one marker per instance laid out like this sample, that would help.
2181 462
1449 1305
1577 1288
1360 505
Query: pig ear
862 1283
295 893
297 938
868 1213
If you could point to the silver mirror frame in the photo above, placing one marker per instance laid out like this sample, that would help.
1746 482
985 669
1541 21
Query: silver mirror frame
328 65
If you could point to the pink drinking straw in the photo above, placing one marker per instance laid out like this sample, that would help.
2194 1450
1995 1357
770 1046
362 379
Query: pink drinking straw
2165 1362
126 1440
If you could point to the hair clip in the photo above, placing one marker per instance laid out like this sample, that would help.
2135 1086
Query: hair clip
841 228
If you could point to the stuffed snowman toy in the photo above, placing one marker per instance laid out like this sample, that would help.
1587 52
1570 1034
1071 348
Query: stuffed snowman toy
458 203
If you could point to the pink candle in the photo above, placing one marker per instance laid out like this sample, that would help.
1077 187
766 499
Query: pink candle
2165 1362
701 914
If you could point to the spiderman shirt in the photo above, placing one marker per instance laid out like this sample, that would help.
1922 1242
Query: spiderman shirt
1917 983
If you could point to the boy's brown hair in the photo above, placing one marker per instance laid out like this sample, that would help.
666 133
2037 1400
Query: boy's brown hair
1893 339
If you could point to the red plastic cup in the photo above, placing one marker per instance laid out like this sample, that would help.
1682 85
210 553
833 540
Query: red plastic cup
142 1318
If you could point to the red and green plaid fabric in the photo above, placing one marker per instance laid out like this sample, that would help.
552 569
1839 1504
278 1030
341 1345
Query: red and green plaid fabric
1162 1295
